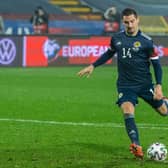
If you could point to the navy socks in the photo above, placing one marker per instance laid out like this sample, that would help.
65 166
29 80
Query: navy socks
131 128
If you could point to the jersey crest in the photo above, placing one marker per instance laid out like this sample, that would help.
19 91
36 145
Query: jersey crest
137 44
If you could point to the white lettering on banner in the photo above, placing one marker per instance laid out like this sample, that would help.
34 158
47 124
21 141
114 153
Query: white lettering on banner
77 50
23 30
64 50
18 31
83 51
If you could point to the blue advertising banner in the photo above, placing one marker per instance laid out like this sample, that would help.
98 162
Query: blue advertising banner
19 27
11 51
24 27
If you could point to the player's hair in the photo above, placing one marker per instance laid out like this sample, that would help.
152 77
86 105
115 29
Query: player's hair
129 11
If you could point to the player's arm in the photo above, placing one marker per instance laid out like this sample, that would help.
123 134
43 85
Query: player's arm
104 58
158 76
157 71
101 60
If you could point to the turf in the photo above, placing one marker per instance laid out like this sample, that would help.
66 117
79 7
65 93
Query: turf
87 126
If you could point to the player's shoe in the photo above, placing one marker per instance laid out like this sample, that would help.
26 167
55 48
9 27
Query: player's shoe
136 150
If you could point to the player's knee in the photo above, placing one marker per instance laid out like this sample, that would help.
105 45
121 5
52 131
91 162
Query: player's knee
127 107
163 110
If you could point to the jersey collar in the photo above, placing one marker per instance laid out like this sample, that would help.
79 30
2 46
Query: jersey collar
138 33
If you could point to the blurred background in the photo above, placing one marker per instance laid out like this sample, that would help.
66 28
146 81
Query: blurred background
72 32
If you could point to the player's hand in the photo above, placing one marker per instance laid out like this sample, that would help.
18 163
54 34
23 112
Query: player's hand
158 94
86 71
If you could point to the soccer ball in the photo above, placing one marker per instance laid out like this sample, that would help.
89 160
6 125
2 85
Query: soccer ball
157 151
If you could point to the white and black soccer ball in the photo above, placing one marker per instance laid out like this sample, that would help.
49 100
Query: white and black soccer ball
157 151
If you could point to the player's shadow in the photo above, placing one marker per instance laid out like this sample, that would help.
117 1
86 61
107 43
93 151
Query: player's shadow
102 148
96 147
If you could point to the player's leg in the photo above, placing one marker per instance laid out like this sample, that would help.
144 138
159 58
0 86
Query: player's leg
129 119
163 109
131 128
127 100
161 105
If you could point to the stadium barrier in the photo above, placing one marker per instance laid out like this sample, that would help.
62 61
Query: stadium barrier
44 51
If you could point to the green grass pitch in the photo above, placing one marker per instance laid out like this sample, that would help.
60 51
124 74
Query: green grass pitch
51 118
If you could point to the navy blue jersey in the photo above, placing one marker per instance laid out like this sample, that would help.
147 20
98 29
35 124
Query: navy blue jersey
133 58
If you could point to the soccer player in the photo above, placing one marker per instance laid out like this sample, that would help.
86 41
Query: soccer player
135 52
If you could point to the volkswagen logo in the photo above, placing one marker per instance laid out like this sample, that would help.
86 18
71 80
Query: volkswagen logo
7 51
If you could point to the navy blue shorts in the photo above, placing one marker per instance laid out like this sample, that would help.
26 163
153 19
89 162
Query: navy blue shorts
131 95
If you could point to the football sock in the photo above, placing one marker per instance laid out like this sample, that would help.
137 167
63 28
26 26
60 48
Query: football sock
131 128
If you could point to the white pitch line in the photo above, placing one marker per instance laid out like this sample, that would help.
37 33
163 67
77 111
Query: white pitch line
112 125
